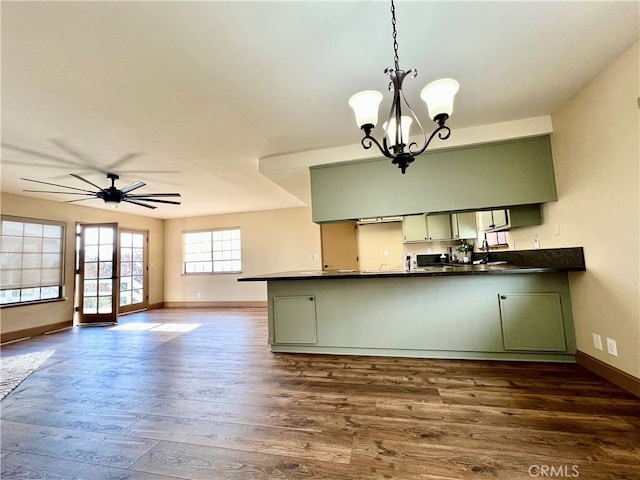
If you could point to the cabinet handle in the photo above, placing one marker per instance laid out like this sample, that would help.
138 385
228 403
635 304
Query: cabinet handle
311 299
503 297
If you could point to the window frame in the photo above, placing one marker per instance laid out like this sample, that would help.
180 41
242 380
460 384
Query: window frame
60 284
212 251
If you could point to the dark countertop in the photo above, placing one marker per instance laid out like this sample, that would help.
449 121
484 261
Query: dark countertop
518 262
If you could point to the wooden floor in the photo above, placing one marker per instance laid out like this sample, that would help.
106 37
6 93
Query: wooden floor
196 394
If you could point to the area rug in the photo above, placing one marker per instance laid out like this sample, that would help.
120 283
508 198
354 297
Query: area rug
14 369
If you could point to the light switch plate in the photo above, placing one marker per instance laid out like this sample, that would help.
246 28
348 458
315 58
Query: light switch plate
597 341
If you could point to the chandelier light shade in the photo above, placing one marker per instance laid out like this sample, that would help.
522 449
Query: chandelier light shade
365 105
437 95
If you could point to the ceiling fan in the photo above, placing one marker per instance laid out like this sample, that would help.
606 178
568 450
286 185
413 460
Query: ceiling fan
112 196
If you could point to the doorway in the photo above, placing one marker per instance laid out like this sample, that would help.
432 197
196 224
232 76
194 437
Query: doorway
111 272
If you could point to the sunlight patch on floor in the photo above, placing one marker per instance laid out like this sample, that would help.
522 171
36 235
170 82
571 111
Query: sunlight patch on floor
156 327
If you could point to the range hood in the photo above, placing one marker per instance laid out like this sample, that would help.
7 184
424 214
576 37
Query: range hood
364 221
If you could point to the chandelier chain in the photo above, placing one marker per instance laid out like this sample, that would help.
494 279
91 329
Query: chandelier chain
396 60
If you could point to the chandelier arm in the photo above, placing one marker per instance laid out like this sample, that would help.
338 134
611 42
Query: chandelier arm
443 133
417 120
368 141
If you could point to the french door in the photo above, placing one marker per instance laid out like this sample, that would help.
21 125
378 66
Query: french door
133 271
111 272
97 273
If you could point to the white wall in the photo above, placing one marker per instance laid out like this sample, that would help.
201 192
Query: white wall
38 315
596 151
272 241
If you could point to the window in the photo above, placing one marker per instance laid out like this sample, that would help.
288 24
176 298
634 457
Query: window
31 260
216 251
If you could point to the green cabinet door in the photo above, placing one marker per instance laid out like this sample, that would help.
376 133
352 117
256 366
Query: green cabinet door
463 225
532 322
414 228
439 227
295 319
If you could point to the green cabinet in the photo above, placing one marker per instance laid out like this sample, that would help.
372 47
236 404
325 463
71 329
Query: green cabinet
438 227
414 228
426 228
532 322
463 225
374 188
505 219
294 319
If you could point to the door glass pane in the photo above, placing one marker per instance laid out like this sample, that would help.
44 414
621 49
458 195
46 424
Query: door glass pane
106 252
91 253
137 296
90 305
125 298
90 236
90 288
104 305
91 270
125 239
106 269
106 235
105 287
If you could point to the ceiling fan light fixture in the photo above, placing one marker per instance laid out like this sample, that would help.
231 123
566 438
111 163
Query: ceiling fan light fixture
396 145
111 196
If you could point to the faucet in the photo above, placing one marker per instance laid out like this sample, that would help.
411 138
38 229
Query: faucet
485 247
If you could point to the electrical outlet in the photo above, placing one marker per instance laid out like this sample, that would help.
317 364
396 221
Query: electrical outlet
385 252
612 348
536 241
597 341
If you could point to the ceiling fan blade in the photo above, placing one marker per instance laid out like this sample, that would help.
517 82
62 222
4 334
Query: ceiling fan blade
57 185
133 186
62 193
86 181
140 195
146 172
138 203
79 200
153 200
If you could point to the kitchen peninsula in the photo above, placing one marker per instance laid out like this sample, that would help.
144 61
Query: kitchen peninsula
519 310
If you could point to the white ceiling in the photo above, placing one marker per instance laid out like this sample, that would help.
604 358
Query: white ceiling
189 96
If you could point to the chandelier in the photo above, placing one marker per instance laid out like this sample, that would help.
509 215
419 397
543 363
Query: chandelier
437 95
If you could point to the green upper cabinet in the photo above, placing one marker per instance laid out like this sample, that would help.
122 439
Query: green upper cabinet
414 228
480 177
463 225
504 219
438 227
426 228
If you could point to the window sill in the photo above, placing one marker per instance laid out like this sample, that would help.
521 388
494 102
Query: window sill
35 302
195 274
